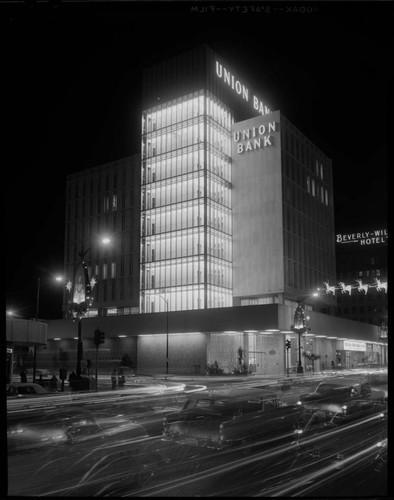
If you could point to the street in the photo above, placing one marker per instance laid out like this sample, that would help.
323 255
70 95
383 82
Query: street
110 443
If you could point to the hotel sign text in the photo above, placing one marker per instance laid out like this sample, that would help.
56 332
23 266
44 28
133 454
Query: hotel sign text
240 89
365 238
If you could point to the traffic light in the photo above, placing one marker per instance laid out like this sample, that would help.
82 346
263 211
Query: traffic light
288 343
99 337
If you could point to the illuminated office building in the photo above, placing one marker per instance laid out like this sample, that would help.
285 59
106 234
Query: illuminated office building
222 222
221 225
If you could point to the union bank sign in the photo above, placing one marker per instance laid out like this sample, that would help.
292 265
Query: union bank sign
250 139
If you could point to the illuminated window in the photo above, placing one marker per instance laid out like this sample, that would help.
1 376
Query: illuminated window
174 178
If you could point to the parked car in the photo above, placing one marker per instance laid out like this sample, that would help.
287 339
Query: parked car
220 419
23 389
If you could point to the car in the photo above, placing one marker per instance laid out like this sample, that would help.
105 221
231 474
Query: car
67 426
225 418
341 400
23 389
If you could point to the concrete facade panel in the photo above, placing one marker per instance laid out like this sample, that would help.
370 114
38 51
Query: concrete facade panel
257 209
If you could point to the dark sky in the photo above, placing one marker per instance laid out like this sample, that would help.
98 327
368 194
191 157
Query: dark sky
74 82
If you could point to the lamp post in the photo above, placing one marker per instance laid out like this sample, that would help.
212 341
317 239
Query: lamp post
166 301
300 328
81 299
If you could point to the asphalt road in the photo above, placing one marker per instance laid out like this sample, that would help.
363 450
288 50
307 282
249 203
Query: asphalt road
109 443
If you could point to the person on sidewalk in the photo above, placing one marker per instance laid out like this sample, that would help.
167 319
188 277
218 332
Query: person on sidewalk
23 376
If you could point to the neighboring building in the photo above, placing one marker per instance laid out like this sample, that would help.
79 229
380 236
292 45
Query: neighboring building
105 201
218 228
362 265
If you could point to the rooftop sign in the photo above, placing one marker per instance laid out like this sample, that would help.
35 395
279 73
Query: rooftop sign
366 238
239 88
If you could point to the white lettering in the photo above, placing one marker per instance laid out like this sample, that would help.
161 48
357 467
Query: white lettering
267 141
339 238
240 88
272 127
219 69
240 148
257 143
227 77
262 129
245 134
248 146
237 136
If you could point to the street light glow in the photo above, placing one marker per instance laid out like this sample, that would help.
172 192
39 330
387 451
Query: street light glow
106 241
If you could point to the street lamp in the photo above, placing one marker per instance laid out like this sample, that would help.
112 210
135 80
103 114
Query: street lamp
166 301
300 328
81 299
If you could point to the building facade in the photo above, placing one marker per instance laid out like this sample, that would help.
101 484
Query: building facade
104 202
218 228
362 277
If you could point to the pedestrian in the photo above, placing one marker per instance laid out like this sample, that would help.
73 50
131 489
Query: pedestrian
113 378
23 376
40 381
332 365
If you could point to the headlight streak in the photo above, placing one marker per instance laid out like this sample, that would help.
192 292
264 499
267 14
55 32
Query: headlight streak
112 465
157 490
229 466
332 468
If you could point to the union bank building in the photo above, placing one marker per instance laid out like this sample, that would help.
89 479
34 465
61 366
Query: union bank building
220 226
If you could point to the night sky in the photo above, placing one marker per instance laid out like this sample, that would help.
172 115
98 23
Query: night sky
73 87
